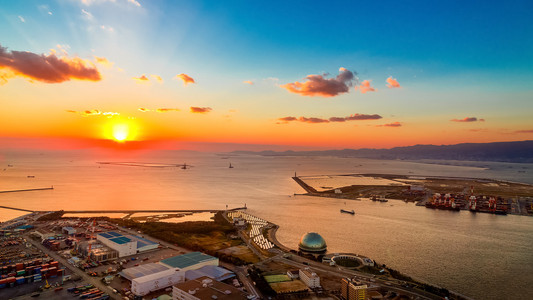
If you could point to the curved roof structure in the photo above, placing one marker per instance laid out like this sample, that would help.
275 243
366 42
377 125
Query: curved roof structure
312 242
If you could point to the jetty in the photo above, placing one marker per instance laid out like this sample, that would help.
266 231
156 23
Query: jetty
15 208
28 190
305 186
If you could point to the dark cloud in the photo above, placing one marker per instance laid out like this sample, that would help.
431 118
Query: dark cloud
356 117
317 85
47 68
467 119
200 110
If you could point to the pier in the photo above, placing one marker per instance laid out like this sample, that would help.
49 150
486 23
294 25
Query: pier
28 190
305 186
14 208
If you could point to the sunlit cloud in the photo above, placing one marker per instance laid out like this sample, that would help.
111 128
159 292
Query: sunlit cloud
366 87
317 85
142 109
107 28
47 68
134 2
186 78
22 19
467 120
141 79
157 77
103 61
392 83
200 110
94 112
393 124
164 110
354 117
248 82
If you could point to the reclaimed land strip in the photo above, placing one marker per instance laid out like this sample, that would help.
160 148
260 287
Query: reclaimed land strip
149 211
305 186
14 208
28 190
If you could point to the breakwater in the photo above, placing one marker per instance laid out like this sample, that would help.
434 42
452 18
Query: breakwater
28 190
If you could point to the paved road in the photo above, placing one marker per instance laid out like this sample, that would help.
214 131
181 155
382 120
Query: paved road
92 280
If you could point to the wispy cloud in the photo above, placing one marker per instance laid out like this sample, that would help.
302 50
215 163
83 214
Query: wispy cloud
354 117
134 2
467 120
186 78
47 68
317 85
248 82
90 2
164 110
393 124
157 77
366 87
44 9
524 131
87 14
103 61
22 19
94 112
200 110
392 83
107 28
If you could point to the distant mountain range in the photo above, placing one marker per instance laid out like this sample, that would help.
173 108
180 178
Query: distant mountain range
520 152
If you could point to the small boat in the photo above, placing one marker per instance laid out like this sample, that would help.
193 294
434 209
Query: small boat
351 212
230 166
31 176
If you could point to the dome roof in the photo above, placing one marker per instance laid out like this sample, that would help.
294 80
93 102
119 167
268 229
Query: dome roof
312 242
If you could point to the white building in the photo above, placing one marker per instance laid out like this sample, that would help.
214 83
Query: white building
310 279
116 241
144 285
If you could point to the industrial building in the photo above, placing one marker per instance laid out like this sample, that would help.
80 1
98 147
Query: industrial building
205 288
353 289
213 272
310 278
126 245
190 261
68 230
144 285
143 270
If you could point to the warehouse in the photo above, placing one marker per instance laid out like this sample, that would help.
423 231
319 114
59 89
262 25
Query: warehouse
190 261
124 245
143 244
143 270
143 285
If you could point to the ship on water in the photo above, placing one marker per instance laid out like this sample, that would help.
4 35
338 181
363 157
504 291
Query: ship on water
351 212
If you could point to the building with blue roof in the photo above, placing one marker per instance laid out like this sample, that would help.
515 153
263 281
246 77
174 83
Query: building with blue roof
190 261
116 241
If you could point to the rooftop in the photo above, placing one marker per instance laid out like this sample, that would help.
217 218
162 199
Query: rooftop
206 288
187 260
142 270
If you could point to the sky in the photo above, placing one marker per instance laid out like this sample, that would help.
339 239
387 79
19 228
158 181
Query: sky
264 75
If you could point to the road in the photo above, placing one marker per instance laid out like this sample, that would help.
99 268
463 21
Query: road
85 277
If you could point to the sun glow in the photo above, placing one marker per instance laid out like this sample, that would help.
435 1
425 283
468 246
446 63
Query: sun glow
121 132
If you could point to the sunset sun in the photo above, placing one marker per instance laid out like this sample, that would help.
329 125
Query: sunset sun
121 132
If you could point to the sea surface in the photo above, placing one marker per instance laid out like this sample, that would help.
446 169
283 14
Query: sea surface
479 255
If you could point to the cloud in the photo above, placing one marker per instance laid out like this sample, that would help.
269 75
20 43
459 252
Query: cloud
337 119
354 117
157 77
392 83
134 2
107 28
103 61
164 110
87 14
467 120
200 110
94 112
140 79
393 124
22 19
317 85
248 82
186 78
44 9
366 87
142 109
47 68
524 131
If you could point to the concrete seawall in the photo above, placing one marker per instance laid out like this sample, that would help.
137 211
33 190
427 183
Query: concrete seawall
28 190
305 186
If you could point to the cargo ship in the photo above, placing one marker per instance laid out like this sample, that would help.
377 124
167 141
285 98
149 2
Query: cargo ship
447 202
351 212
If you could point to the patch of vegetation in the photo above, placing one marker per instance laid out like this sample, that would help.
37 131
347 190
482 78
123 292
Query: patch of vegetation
56 215
260 282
